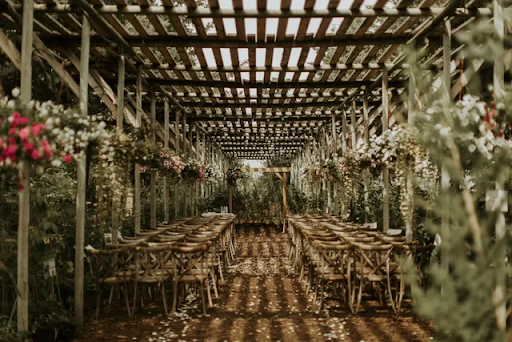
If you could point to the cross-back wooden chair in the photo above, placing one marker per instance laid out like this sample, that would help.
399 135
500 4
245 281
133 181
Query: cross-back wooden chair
111 270
189 267
150 270
371 267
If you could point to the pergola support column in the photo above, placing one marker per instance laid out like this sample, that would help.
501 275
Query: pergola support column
81 183
166 145
152 182
366 173
24 173
137 210
500 228
445 176
385 172
411 103
177 186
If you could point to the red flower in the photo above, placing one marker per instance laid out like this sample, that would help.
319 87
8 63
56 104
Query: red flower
12 131
28 146
67 158
500 135
23 121
36 128
35 154
486 117
24 132
11 140
10 151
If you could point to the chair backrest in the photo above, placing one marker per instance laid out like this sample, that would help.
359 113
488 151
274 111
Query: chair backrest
189 256
150 262
107 263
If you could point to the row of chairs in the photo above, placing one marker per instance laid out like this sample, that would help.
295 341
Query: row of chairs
356 259
179 255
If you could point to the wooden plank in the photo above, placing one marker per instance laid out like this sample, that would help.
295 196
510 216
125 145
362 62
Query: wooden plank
264 169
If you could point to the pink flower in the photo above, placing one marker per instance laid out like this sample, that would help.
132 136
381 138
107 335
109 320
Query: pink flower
11 140
35 154
10 151
67 158
36 128
28 146
12 131
23 121
24 132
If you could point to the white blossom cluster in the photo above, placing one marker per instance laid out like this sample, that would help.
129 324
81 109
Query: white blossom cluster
213 175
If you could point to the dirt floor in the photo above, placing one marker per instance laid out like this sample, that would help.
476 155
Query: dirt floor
261 300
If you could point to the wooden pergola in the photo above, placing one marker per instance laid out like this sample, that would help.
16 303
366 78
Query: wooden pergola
241 79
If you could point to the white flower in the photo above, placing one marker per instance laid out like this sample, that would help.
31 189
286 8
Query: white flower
16 92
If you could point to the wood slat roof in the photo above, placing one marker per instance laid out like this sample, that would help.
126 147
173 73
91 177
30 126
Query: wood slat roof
258 77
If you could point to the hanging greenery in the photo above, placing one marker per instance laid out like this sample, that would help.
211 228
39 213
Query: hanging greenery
192 171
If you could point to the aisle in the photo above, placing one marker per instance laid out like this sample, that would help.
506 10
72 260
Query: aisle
263 300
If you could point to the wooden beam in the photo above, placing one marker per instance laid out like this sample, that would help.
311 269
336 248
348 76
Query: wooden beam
272 68
261 13
258 85
190 41
283 119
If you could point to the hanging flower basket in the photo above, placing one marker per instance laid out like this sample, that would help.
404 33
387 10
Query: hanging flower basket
44 134
212 175
233 175
192 171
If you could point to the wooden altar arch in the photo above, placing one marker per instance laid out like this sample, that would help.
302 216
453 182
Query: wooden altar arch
280 172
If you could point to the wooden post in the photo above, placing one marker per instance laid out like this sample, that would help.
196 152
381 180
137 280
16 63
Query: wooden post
353 121
500 228
230 198
137 206
24 173
152 182
120 90
166 145
190 190
366 174
411 103
385 172
81 183
285 204
445 176
344 209
186 154
197 186
177 144
116 199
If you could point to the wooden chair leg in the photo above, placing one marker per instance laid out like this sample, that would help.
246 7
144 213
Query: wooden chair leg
164 298
125 290
174 296
214 282
99 293
201 290
208 291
